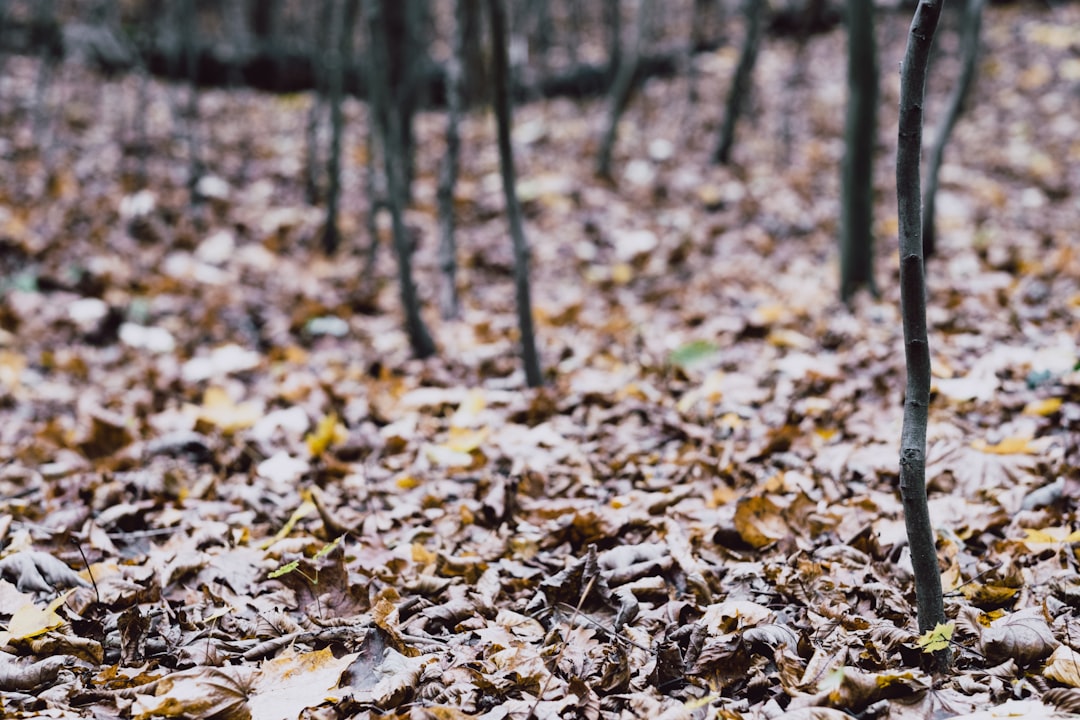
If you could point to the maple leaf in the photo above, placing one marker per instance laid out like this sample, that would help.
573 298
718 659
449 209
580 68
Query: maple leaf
936 639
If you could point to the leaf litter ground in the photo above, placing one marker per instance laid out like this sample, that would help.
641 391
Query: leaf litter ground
283 513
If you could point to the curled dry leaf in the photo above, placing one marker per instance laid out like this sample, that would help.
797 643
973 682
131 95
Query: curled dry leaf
24 675
220 693
35 571
759 521
1064 666
852 688
1023 636
733 615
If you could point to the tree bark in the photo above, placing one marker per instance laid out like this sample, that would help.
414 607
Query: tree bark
406 65
857 214
621 90
191 58
388 119
47 60
969 51
320 68
740 86
913 71
344 16
448 170
501 82
613 23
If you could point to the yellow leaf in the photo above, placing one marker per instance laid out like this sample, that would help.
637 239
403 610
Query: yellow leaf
12 365
1008 446
769 314
622 273
304 509
295 355
407 482
422 556
1049 538
826 434
469 409
218 614
328 432
30 620
936 639
465 440
1046 407
784 338
221 412
1052 35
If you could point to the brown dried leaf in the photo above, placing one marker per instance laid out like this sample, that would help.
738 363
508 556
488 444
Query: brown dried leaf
1064 666
23 675
294 681
1023 636
221 693
759 521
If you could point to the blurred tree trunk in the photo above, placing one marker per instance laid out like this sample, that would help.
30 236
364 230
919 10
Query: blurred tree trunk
340 56
266 26
374 189
969 50
575 21
3 29
860 134
474 66
920 532
320 68
391 130
189 40
42 37
449 303
753 10
406 66
501 85
613 24
621 90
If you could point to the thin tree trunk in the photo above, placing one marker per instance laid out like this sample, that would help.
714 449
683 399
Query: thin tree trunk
740 86
621 90
698 25
913 71
406 54
613 23
47 60
374 196
969 51
270 31
501 82
321 70
575 22
3 26
344 15
142 140
448 171
191 56
860 134
390 130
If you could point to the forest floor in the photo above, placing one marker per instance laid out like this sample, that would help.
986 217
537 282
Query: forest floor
226 490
